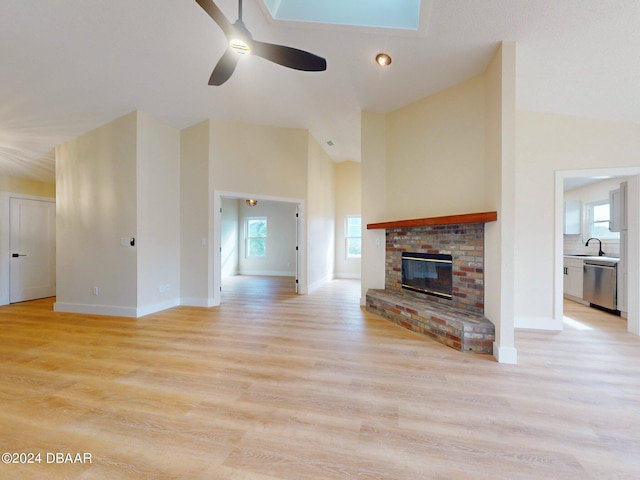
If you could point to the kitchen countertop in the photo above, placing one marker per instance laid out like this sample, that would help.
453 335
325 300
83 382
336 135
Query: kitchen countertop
593 257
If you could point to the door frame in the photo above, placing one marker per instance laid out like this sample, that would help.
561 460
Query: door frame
301 257
5 236
633 284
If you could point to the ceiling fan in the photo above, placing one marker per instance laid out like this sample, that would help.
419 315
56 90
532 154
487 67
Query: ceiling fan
242 43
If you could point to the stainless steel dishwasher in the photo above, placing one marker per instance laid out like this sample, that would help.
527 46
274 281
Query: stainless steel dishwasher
600 283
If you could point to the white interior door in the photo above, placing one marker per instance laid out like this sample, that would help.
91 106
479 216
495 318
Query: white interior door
32 246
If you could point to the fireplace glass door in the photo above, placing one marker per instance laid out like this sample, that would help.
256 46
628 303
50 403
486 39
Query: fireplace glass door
427 273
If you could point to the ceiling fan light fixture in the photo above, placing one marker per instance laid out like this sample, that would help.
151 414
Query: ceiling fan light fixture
383 59
241 42
239 46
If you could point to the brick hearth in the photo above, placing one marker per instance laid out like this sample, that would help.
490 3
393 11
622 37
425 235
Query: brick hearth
458 322
463 330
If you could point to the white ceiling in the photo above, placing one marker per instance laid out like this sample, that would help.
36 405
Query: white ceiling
68 66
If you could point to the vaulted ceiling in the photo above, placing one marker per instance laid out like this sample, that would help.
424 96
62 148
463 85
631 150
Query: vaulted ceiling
68 66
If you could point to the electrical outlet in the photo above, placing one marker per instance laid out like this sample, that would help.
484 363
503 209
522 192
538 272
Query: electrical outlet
95 291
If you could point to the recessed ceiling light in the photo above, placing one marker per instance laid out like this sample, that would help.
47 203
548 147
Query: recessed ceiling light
383 59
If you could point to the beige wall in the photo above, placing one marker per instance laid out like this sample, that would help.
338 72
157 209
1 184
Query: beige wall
264 162
196 222
320 216
258 159
348 202
23 186
499 181
436 147
27 187
158 214
450 153
118 182
96 206
10 186
374 200
230 237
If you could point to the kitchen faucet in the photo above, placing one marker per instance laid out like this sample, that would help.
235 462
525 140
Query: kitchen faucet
600 252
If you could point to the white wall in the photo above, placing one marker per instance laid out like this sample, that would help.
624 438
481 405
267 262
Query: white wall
96 205
548 144
158 215
348 202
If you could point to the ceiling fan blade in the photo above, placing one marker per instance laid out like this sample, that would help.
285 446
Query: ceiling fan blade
289 57
225 67
217 15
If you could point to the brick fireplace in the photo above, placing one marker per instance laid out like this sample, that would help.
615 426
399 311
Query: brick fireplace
458 321
464 242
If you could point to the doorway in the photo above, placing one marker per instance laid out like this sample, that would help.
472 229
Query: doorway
258 238
577 177
28 265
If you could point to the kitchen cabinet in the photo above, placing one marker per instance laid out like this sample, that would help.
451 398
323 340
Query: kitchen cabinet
618 208
623 274
619 215
573 277
614 210
572 217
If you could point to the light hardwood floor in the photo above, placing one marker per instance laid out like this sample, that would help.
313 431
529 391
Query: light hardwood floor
272 385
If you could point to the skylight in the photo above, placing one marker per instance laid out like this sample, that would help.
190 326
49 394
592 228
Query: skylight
396 14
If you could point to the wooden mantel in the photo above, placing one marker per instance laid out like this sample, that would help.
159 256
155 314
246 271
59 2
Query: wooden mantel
482 217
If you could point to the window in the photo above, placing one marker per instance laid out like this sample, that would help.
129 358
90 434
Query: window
255 236
354 237
598 220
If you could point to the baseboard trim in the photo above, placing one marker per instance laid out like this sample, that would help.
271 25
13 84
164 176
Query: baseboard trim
348 276
158 307
107 310
318 284
508 355
199 302
267 273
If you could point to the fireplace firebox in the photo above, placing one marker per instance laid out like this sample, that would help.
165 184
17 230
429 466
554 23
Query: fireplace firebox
428 273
